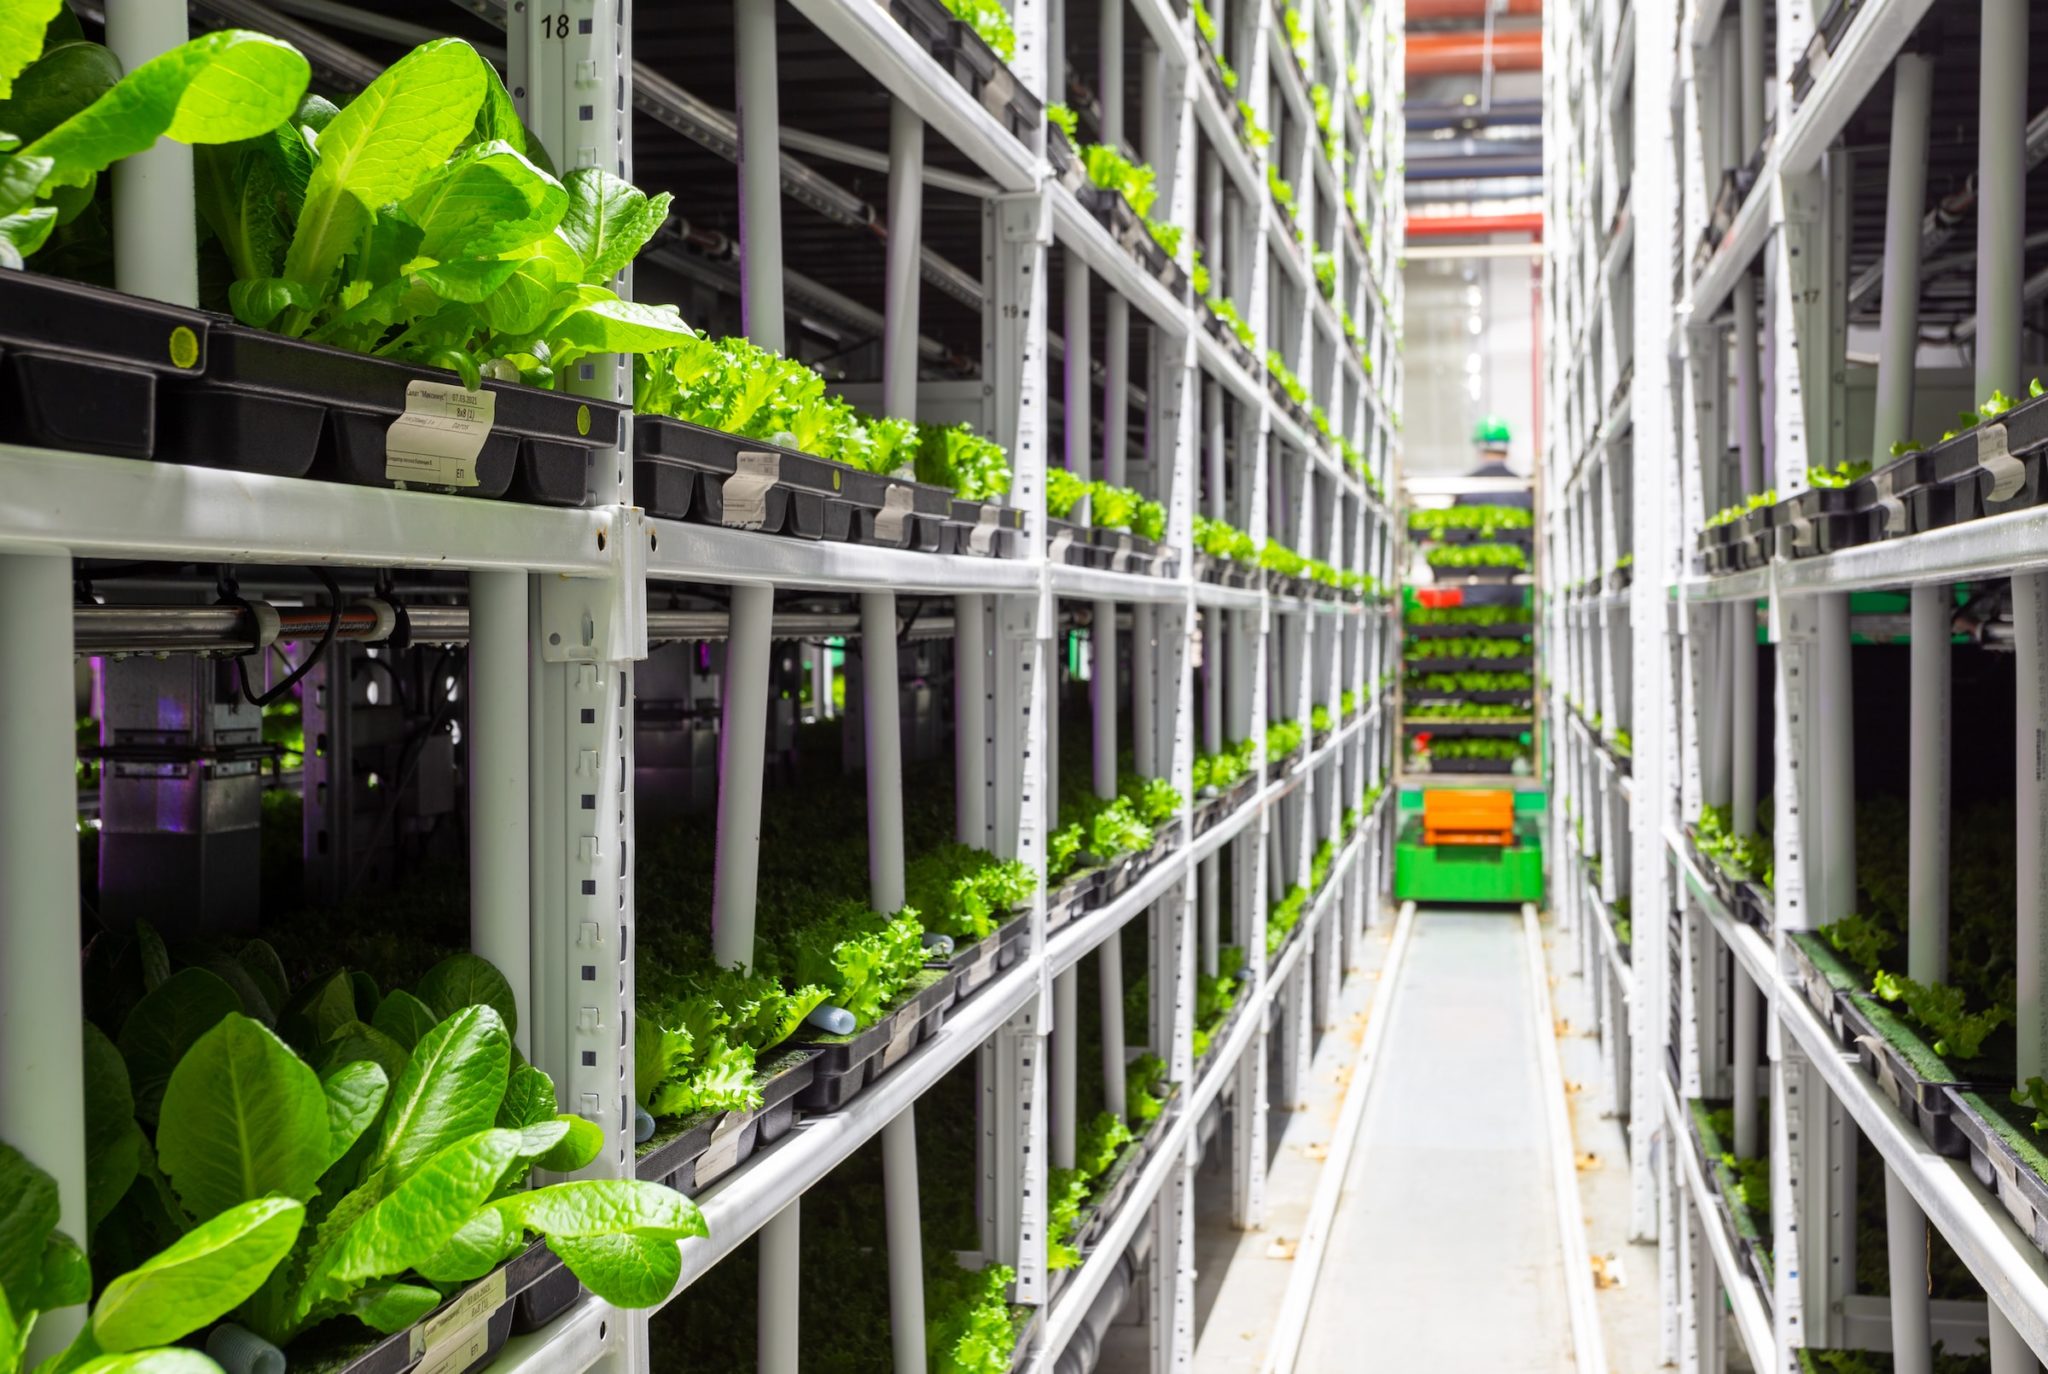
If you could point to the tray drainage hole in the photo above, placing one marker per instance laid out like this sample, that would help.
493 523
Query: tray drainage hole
555 639
600 541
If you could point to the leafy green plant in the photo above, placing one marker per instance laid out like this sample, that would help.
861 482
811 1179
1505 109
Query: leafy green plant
970 1326
1063 118
1324 265
1465 710
1144 1089
1483 748
976 469
991 21
1473 680
1220 539
1283 737
197 1279
1215 995
1222 770
70 114
1479 556
1319 718
862 958
1941 1008
416 224
698 1036
1259 138
1205 24
1485 520
965 892
1467 615
1282 189
1226 310
1838 476
1063 491
1422 650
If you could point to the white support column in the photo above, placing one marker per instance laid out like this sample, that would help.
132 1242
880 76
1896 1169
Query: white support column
42 1073
1066 1030
155 229
904 1230
1905 1230
1110 981
743 744
2001 194
1102 646
777 1319
759 116
1109 79
901 272
1144 688
2030 642
1927 790
500 836
1749 1012
1837 772
970 719
1116 389
1743 703
1905 200
882 739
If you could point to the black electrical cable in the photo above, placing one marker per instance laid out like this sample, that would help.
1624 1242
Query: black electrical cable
231 596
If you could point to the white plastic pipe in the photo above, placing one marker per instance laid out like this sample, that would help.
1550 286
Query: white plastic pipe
1110 975
1217 503
42 1073
2001 194
882 729
1838 762
1109 81
1927 788
1743 704
1905 199
156 233
1749 401
1080 382
904 1229
1213 673
1752 27
1748 1050
901 270
777 1315
2030 670
1905 1234
742 762
970 720
1116 389
500 839
2010 1353
758 112
1066 1034
1211 914
1102 646
1056 48
1144 681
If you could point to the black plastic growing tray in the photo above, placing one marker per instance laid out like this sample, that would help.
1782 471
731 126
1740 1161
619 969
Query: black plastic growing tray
1472 765
1226 572
847 1064
975 965
706 1147
286 407
472 1327
970 60
80 365
1122 1175
1075 545
1755 904
96 370
1219 329
1931 1105
1219 1035
983 529
1996 467
2000 1167
1825 980
1127 227
1826 34
1069 899
1520 631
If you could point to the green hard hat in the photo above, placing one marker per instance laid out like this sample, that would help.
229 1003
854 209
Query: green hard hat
1490 432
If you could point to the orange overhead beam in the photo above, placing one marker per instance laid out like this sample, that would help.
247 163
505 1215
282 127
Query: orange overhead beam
1460 226
1470 9
1452 54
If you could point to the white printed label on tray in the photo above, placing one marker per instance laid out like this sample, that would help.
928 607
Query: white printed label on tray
467 1314
745 493
893 516
436 442
724 1150
2008 474
982 538
457 1352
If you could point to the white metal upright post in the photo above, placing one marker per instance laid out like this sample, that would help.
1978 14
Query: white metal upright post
2001 194
500 831
759 116
42 1013
1743 712
742 759
155 229
970 719
2030 644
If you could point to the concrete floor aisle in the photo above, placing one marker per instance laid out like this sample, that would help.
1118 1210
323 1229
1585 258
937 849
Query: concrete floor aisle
1445 1252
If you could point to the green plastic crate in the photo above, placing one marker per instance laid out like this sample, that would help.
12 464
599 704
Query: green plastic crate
1469 873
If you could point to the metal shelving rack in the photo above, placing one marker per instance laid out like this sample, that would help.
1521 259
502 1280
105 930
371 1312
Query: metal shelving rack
1713 265
559 613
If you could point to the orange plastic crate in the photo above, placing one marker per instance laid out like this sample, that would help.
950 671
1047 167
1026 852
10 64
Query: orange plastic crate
1468 817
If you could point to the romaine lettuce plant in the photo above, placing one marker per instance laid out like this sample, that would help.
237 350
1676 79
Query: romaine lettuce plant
420 223
67 113
697 1037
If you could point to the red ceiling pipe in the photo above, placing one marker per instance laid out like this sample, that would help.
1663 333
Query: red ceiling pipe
1460 226
1454 54
1470 9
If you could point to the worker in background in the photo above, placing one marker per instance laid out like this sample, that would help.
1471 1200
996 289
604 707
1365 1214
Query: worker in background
1490 437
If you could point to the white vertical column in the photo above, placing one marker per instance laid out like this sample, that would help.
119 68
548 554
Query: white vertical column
759 115
2030 643
742 761
42 1073
1837 773
156 249
1743 704
776 1326
970 720
500 834
1066 1030
1109 82
2001 194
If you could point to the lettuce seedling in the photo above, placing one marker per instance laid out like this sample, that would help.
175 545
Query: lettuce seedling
69 114
420 223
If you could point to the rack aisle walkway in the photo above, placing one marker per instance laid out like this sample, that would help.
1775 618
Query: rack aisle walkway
1445 1251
